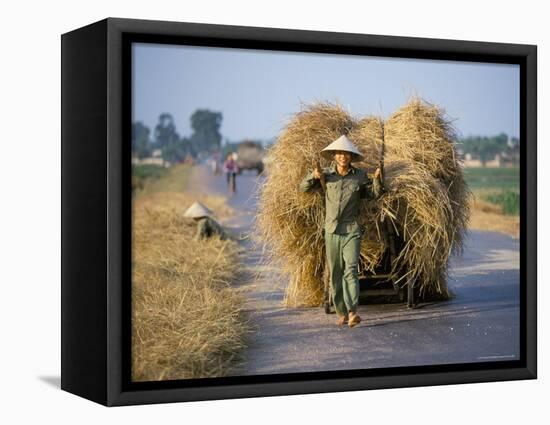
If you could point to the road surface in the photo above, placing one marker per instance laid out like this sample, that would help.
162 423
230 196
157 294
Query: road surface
481 323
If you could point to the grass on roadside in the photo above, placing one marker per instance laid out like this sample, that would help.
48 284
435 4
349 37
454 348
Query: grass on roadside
151 178
495 205
507 200
489 217
144 174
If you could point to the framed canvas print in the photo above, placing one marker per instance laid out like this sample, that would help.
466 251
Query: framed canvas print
257 211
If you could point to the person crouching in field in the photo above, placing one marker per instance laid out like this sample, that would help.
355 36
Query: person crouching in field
206 225
344 187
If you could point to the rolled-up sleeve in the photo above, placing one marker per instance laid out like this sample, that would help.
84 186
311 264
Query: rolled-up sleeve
372 189
309 183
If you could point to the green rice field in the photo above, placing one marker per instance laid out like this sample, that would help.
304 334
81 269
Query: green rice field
498 179
500 186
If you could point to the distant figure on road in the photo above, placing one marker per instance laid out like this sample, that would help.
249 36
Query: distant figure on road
206 225
344 186
214 166
231 169
216 163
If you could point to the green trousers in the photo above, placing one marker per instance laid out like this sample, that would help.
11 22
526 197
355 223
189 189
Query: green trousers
342 258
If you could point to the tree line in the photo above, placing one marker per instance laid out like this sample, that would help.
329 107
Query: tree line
485 148
206 136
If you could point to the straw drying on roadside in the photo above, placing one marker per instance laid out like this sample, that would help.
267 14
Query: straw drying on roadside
187 319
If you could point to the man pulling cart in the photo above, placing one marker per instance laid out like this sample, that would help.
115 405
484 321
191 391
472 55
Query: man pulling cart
344 186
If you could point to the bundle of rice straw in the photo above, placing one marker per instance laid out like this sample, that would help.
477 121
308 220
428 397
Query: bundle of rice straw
425 207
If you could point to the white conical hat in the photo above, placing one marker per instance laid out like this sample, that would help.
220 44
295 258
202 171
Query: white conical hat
197 210
342 144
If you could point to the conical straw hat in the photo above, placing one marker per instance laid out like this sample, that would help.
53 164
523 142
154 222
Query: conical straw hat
197 210
342 144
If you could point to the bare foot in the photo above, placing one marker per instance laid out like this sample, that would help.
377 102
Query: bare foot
354 319
342 320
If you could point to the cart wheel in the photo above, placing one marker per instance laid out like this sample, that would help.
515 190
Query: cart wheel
411 294
401 295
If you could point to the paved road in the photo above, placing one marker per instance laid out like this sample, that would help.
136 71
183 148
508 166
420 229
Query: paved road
480 324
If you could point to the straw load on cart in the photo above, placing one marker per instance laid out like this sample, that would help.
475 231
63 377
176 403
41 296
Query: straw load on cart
422 216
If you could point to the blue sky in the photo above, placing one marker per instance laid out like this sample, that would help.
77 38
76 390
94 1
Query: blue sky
258 91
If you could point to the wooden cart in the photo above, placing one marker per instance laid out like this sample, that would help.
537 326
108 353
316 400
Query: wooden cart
379 284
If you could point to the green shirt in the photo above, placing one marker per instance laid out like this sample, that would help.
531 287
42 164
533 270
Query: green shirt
208 227
343 195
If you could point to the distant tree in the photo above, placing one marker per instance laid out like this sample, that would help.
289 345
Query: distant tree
174 148
165 131
485 148
176 152
488 149
501 140
141 144
206 131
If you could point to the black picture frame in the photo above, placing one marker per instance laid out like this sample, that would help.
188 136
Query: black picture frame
96 203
